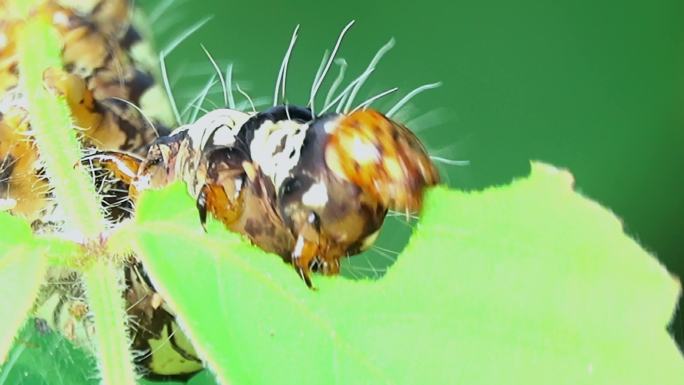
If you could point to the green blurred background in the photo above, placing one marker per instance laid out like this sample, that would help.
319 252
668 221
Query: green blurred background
593 86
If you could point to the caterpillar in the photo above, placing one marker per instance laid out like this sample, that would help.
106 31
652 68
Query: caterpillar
312 188
321 195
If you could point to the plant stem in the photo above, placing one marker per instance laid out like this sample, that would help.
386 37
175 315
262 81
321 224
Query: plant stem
103 289
51 125
76 197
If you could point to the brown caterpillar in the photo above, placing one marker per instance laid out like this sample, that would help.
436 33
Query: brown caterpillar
310 188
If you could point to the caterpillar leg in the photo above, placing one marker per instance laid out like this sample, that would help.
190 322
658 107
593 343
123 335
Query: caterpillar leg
124 166
317 256
213 198
304 254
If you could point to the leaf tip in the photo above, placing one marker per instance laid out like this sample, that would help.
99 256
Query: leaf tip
542 169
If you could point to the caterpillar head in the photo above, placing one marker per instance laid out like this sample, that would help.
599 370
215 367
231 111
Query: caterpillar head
158 168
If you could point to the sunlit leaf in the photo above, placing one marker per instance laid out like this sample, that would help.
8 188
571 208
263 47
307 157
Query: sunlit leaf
523 284
21 273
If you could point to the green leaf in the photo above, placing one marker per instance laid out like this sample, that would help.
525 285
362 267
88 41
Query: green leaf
22 269
529 283
43 357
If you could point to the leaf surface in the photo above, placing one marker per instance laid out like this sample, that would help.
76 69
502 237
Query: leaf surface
22 268
529 283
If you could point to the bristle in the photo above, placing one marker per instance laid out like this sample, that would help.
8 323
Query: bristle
371 67
219 73
281 81
409 96
319 80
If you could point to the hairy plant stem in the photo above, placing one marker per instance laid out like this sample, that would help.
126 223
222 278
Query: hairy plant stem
76 198
103 285
51 126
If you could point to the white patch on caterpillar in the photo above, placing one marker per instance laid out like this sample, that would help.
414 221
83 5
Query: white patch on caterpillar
299 246
156 301
224 123
316 196
3 41
364 151
142 182
276 162
330 126
224 136
238 187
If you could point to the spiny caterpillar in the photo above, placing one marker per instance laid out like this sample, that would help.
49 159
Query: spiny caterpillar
310 187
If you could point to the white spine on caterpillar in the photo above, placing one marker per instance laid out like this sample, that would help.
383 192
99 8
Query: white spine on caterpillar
316 196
